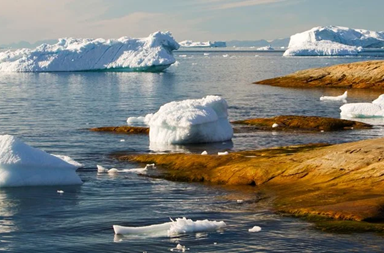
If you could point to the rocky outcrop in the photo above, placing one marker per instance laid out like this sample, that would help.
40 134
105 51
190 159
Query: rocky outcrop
343 181
358 75
122 129
298 123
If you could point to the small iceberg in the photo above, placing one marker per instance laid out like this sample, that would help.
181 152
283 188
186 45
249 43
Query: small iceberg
342 98
23 165
255 229
205 44
102 169
172 228
153 54
364 110
189 121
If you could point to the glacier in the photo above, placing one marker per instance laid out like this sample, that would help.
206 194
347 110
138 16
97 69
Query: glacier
153 53
189 121
333 41
192 44
23 165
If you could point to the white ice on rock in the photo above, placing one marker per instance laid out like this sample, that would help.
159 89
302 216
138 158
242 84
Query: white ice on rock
342 97
23 165
364 110
153 53
189 121
333 41
172 228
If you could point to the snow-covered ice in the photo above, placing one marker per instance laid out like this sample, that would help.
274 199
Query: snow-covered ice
153 53
254 229
275 125
189 121
102 169
364 110
172 228
23 165
333 40
222 153
69 160
342 97
189 43
204 152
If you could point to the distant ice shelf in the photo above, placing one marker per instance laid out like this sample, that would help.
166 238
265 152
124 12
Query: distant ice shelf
192 44
333 41
153 54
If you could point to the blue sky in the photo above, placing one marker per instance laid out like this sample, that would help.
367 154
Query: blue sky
197 20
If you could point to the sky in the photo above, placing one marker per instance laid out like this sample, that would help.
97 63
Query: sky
197 20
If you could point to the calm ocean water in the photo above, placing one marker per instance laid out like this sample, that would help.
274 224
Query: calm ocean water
52 111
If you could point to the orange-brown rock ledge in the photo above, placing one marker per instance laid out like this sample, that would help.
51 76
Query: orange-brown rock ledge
358 75
344 181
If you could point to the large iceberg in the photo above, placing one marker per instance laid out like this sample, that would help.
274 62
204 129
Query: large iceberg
333 41
189 43
23 165
189 121
153 53
364 110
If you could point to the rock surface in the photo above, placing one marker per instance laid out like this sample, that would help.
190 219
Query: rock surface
299 123
358 75
343 181
122 129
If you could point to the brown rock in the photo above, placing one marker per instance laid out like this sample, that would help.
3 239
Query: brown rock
122 129
301 123
358 75
343 181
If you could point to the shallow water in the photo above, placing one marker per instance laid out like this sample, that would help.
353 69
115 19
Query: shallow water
52 111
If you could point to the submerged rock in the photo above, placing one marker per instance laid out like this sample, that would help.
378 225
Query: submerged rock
299 123
358 75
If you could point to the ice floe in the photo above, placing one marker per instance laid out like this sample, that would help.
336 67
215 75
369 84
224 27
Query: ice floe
102 169
189 121
254 229
342 98
153 53
266 48
333 40
23 165
172 228
364 110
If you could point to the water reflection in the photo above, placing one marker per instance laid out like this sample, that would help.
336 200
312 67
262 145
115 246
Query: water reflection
211 148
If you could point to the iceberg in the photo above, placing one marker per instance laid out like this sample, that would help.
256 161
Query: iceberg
192 44
266 48
23 165
333 41
189 121
342 97
172 228
153 53
364 110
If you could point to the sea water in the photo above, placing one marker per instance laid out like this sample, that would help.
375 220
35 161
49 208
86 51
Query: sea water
53 112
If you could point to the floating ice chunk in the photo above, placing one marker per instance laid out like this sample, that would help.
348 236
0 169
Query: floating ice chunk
239 201
342 98
179 248
23 165
222 153
266 48
204 152
206 54
191 121
322 48
275 125
140 120
183 56
101 169
69 160
153 53
225 55
60 191
113 171
173 228
364 110
254 229
361 110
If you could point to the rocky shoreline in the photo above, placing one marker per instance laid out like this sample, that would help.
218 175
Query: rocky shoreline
341 182
357 75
